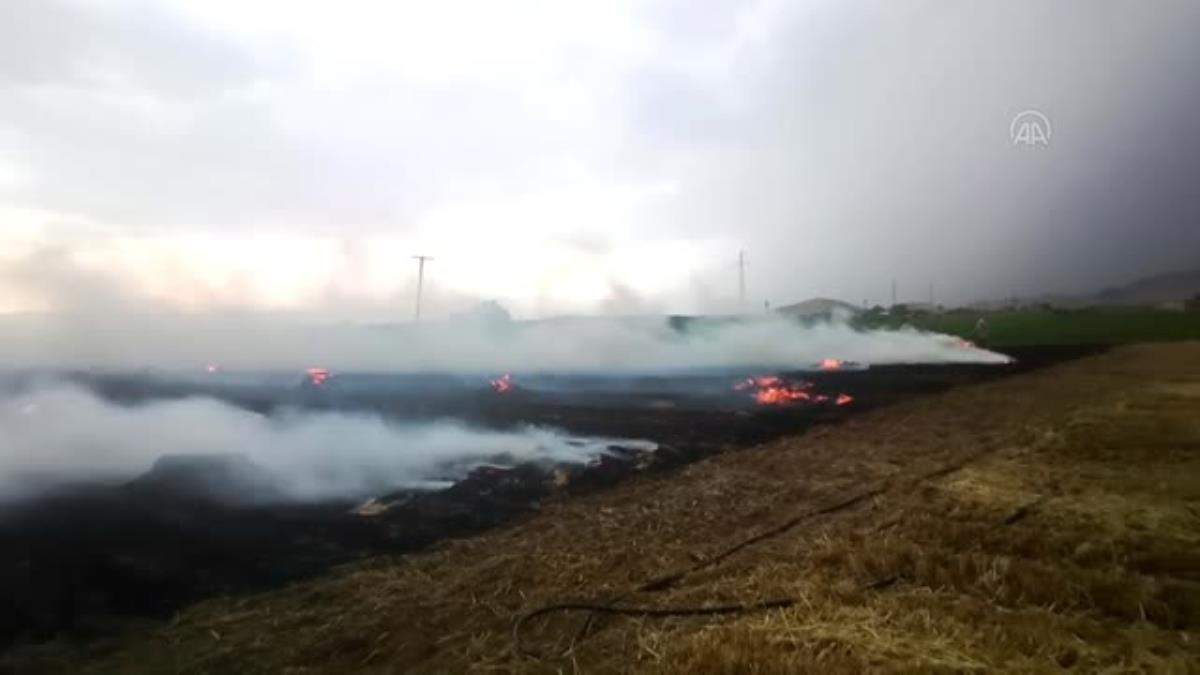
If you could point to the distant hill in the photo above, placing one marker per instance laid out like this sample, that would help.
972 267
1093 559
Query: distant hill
1169 287
1155 290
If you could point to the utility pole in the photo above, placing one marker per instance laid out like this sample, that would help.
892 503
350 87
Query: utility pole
742 281
420 280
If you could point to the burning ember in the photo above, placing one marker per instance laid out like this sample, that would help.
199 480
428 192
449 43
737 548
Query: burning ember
318 376
782 395
762 382
832 364
503 384
774 390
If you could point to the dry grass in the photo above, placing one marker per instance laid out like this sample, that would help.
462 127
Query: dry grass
1072 539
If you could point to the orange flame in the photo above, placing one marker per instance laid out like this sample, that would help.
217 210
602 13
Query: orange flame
502 384
318 376
781 396
773 390
832 364
762 382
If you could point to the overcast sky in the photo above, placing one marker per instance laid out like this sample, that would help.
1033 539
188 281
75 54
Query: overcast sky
598 157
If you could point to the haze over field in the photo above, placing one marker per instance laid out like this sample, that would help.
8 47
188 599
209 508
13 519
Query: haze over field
604 158
465 345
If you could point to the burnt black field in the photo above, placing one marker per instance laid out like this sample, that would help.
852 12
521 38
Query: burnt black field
151 545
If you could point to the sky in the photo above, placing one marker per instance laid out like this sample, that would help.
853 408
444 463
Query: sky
587 157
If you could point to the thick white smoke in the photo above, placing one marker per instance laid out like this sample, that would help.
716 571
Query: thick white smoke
477 344
59 434
652 344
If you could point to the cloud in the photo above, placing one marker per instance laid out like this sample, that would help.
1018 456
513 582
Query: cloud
863 142
843 145
132 46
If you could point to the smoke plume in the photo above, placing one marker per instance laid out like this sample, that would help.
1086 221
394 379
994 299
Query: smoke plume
470 344
57 434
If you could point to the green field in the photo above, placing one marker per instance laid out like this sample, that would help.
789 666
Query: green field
1014 328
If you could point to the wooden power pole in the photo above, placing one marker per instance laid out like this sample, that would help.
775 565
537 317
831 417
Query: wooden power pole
742 281
420 281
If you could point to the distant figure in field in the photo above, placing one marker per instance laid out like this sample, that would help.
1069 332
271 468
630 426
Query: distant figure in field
981 331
